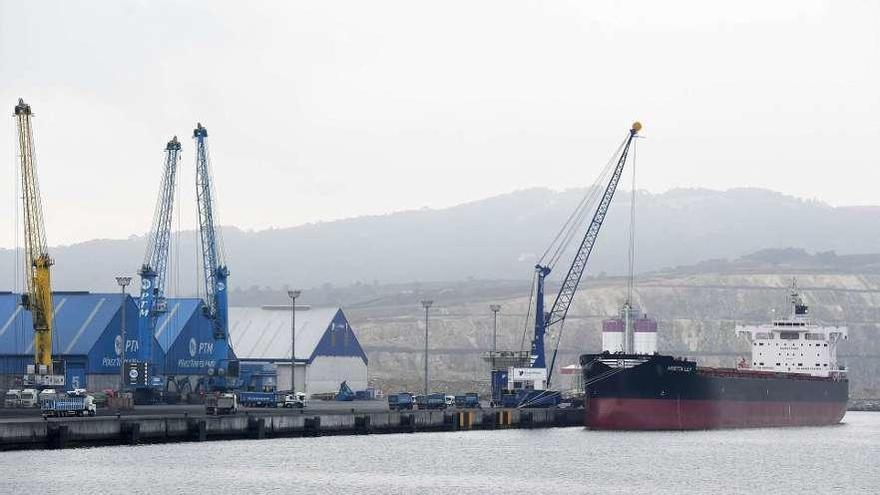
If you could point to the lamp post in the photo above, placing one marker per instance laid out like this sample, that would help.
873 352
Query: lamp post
426 303
495 308
123 283
293 294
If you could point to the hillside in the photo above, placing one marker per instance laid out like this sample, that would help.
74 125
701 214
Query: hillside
696 314
498 238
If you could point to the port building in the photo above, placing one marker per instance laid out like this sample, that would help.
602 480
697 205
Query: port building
86 337
87 340
327 349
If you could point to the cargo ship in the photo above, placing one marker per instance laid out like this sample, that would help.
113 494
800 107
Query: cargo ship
793 378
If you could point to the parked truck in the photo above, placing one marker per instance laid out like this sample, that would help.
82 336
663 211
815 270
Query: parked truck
67 405
292 401
400 401
432 401
30 397
221 403
12 398
467 401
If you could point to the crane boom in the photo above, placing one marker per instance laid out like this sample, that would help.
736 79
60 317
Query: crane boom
155 265
213 265
566 293
38 299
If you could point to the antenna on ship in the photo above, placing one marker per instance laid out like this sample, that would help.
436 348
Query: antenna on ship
798 308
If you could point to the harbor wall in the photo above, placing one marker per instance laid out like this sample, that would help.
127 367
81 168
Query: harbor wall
131 430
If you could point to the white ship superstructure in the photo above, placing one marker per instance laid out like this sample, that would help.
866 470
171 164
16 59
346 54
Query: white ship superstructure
794 344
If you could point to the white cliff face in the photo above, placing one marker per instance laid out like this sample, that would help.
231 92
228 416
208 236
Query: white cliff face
696 313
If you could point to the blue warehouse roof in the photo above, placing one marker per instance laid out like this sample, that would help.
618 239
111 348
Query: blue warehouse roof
80 320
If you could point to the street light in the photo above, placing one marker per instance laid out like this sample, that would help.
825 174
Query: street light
293 294
123 283
426 303
495 308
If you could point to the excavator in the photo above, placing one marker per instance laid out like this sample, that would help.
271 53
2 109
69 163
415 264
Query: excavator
44 373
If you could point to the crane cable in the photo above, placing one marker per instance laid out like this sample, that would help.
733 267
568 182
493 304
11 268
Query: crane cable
574 221
570 227
631 242
632 231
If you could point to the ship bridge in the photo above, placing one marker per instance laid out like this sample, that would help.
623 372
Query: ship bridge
794 344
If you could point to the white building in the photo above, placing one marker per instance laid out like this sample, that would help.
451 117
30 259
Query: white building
327 350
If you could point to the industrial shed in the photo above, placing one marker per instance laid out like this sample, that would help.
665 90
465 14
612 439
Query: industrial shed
86 337
327 350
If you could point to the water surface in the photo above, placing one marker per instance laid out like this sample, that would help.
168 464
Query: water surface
835 459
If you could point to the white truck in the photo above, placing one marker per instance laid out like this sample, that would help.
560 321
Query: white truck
30 397
221 403
297 401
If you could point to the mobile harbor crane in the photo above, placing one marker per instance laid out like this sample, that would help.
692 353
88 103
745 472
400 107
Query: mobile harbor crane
153 279
224 370
38 298
523 379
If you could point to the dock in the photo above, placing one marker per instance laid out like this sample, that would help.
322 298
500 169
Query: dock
22 434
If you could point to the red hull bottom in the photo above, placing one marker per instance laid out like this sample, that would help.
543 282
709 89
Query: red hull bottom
671 414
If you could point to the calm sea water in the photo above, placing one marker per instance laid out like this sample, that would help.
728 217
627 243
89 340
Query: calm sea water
836 459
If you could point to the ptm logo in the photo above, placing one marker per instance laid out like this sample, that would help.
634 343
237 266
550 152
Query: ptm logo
117 345
192 347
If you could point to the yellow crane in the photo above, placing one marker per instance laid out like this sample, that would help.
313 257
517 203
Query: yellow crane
38 298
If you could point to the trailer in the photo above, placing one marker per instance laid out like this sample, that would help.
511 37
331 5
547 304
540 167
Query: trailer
258 399
400 401
432 401
69 406
467 401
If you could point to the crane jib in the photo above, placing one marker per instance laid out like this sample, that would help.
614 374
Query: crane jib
564 298
38 299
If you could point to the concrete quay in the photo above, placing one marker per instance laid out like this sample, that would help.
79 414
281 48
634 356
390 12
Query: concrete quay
132 430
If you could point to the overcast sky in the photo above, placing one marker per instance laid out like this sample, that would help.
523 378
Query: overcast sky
323 110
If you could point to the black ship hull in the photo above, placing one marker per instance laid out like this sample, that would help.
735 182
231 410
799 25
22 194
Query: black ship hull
638 392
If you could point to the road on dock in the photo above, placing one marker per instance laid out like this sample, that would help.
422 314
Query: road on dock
196 410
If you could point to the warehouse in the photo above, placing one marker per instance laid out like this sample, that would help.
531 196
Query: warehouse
327 350
86 338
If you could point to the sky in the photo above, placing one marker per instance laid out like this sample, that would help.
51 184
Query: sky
325 110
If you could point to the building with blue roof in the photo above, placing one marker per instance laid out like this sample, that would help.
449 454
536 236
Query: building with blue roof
87 340
86 337
327 349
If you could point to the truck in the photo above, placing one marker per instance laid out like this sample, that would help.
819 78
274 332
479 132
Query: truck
258 399
12 398
30 397
292 401
467 401
67 405
221 403
432 401
400 401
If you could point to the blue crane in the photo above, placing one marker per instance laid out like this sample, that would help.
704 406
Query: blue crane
524 387
213 265
565 296
155 265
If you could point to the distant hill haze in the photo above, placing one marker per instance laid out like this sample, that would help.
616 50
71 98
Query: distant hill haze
496 238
